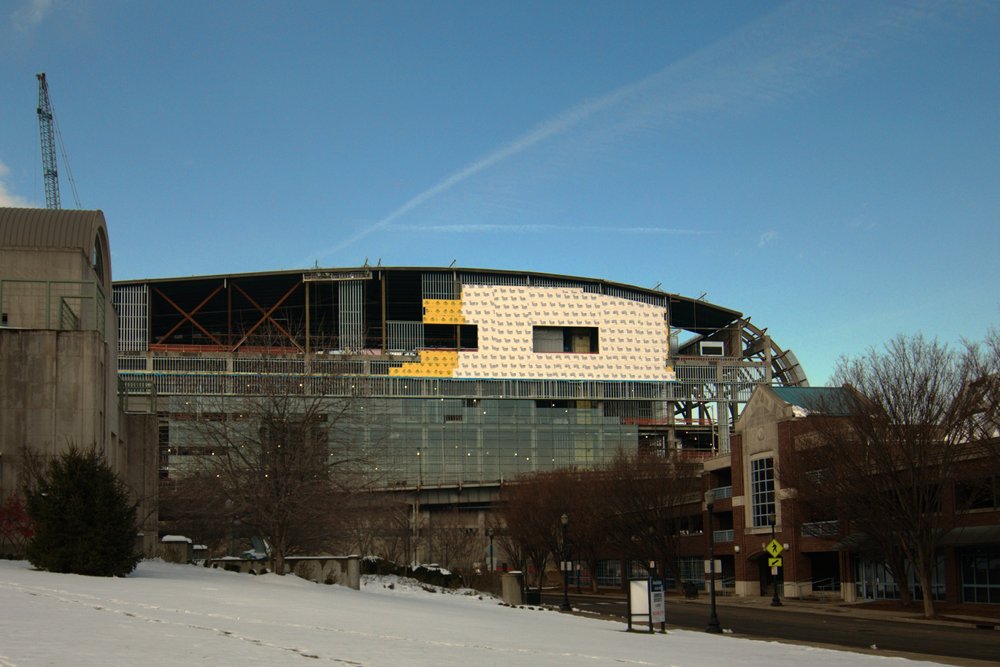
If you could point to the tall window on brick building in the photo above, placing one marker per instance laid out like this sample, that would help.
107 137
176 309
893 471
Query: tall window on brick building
762 491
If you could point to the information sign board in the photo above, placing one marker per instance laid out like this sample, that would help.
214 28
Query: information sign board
657 601
639 597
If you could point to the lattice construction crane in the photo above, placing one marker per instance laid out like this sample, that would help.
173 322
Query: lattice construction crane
50 134
45 126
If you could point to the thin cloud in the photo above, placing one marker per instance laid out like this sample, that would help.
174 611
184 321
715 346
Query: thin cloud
31 14
6 198
540 229
766 238
779 56
861 221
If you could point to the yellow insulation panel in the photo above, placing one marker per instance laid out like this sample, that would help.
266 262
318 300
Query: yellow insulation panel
433 363
443 311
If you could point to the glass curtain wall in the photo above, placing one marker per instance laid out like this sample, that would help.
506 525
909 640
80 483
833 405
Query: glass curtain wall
440 442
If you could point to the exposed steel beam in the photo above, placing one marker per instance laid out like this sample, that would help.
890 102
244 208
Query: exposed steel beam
267 316
189 316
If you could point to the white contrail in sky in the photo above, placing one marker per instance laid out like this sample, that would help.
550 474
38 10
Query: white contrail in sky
515 228
775 57
555 126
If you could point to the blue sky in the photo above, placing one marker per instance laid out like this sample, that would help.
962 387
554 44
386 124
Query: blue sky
831 169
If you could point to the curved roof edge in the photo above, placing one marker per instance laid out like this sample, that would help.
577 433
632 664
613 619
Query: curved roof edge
686 313
57 228
690 314
49 228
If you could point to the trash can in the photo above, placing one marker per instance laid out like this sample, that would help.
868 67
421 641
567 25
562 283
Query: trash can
533 596
690 590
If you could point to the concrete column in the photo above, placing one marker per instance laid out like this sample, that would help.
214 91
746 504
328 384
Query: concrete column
512 584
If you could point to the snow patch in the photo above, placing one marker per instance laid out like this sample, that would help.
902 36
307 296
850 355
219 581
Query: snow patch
169 614
799 411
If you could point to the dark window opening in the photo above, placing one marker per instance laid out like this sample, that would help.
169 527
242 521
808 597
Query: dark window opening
974 494
547 403
574 340
440 336
468 336
451 336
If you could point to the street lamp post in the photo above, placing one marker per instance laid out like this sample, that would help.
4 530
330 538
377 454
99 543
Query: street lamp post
564 519
489 531
775 600
713 619
416 508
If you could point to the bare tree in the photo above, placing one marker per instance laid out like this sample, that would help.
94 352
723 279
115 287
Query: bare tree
451 542
396 540
982 361
650 499
506 548
830 489
281 464
377 524
188 507
16 526
530 510
31 468
590 533
888 463
635 507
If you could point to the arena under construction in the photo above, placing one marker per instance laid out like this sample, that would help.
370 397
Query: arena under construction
478 375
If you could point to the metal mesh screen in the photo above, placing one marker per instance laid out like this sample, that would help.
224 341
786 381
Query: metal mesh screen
132 305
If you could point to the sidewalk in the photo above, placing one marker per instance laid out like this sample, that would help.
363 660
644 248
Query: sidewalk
966 615
947 614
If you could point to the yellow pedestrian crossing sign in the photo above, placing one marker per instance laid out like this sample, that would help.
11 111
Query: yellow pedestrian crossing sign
774 562
774 548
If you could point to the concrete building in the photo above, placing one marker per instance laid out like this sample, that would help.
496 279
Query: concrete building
58 350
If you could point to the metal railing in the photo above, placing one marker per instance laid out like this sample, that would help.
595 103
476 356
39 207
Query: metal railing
179 382
63 305
722 492
828 587
136 395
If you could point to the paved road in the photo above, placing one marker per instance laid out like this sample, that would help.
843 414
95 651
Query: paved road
840 629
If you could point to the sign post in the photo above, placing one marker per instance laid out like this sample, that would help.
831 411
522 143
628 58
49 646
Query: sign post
658 604
774 547
647 601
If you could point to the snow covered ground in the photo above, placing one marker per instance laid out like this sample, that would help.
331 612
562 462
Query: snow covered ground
182 615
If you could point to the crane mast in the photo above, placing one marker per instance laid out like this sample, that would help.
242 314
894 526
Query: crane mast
45 126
